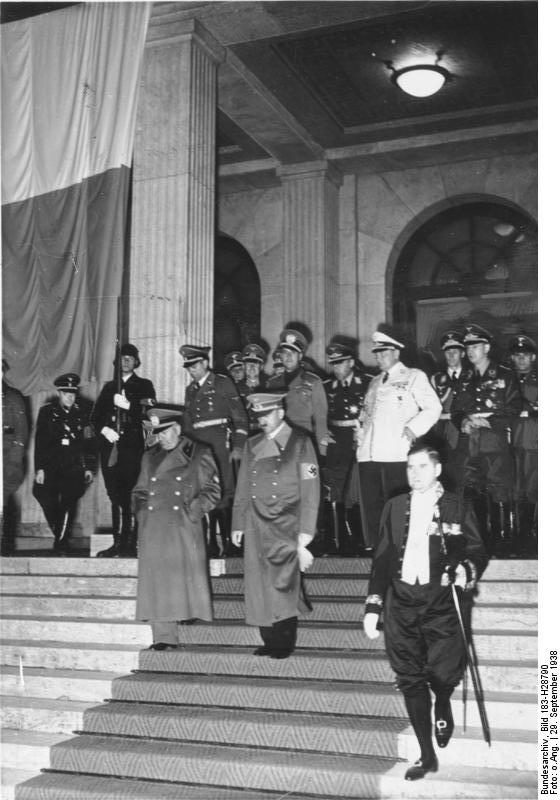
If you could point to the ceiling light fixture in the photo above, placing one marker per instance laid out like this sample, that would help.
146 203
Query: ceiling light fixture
420 80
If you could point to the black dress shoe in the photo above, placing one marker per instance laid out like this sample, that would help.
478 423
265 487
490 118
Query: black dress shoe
280 654
444 726
262 651
420 768
162 646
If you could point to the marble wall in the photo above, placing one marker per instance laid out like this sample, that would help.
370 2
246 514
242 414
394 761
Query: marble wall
377 214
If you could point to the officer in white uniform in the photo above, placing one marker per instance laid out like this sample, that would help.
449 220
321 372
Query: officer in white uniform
400 405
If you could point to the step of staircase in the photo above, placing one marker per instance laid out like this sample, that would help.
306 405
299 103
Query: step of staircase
489 616
494 592
10 778
500 644
264 768
351 735
165 725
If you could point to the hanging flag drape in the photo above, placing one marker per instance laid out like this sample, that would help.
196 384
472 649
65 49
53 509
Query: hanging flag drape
69 95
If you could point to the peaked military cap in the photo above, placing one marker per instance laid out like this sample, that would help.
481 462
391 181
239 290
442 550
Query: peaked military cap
383 342
264 402
338 352
233 359
451 339
253 352
293 340
522 344
69 382
192 353
476 334
162 418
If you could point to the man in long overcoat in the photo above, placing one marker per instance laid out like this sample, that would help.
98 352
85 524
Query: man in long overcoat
275 509
178 484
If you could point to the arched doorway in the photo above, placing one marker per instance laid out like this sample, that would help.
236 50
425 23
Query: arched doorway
237 299
474 262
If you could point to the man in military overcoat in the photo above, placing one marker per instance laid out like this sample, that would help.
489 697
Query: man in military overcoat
275 513
177 485
446 384
64 458
215 414
486 403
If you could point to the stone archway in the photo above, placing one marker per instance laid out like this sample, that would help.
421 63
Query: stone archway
237 298
472 259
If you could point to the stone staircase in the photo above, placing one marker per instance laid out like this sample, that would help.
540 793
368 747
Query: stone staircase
212 721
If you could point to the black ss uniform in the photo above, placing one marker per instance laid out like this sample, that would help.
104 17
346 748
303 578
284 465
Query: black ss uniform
445 432
64 450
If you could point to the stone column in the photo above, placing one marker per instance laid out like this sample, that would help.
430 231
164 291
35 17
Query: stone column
310 239
171 292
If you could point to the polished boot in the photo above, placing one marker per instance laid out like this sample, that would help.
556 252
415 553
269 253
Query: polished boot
117 519
127 545
443 715
419 707
503 541
353 538
527 529
210 524
228 548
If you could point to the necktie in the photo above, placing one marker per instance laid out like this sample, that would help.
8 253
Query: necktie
385 378
453 376
196 385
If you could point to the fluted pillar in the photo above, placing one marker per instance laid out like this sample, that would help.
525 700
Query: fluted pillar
173 200
310 239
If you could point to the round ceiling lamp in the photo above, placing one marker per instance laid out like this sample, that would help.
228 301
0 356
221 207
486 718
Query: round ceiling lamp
421 80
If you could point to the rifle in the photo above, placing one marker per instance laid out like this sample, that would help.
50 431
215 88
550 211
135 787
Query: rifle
117 380
475 677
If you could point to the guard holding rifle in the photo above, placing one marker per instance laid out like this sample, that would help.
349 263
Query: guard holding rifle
117 418
215 414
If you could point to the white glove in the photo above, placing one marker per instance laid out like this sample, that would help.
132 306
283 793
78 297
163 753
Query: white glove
305 558
370 625
121 401
110 434
236 538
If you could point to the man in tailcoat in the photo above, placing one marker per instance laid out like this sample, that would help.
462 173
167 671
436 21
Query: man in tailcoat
523 354
117 418
410 582
64 458
177 485
215 414
446 384
400 405
275 513
487 401
345 392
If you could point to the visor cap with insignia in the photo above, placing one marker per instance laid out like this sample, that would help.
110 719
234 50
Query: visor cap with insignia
162 418
451 339
293 340
338 352
192 353
476 334
522 344
69 382
233 359
381 341
253 352
262 403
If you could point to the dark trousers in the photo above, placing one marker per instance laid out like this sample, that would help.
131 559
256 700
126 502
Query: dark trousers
280 636
58 497
423 637
379 481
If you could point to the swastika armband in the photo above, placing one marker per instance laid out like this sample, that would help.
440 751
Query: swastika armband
308 471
